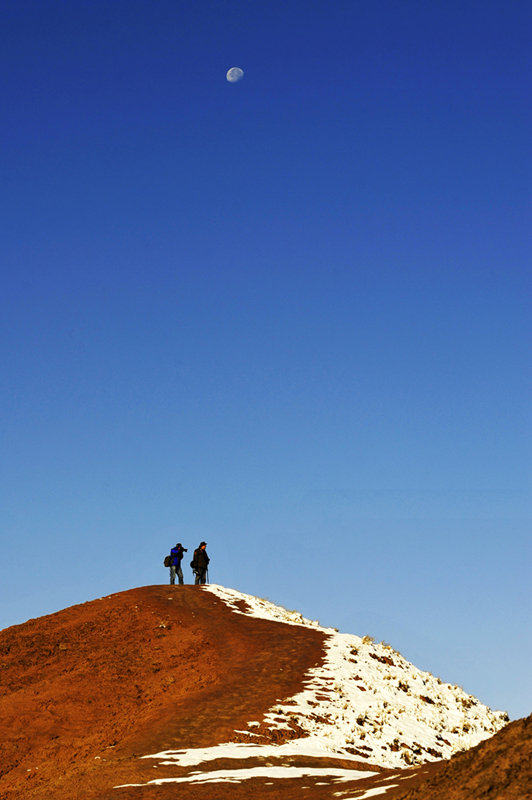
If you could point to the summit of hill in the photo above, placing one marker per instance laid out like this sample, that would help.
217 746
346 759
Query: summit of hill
215 694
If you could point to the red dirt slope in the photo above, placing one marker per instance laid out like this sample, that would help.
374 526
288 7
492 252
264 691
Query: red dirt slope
87 689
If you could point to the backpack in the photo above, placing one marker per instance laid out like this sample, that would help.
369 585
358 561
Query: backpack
168 561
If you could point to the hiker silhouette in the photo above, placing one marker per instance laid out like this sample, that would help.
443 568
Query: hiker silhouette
200 563
176 556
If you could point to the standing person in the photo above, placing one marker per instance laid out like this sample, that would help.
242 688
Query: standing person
200 562
176 554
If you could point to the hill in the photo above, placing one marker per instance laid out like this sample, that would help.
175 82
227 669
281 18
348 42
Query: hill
218 694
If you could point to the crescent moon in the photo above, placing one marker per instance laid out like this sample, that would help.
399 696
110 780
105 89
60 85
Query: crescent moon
234 74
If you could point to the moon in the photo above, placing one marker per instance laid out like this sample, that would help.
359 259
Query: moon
234 74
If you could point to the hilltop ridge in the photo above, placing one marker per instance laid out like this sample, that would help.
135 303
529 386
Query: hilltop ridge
122 696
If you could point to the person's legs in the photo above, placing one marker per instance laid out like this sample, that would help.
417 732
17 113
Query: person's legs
197 579
180 575
202 574
172 575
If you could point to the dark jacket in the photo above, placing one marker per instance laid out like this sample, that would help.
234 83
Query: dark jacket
201 559
177 555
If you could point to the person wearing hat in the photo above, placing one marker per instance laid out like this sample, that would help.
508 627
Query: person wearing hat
176 556
200 562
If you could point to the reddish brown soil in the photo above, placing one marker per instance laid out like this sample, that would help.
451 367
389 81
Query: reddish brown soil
498 769
86 691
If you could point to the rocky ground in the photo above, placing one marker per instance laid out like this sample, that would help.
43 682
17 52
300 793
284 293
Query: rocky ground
86 692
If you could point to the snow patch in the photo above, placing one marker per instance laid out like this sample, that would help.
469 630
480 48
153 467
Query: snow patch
238 775
237 750
366 701
374 792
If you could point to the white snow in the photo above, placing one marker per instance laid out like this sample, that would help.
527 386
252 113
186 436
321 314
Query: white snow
237 775
391 713
375 792
261 608
237 750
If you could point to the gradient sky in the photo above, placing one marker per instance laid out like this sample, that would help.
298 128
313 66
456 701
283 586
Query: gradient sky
288 315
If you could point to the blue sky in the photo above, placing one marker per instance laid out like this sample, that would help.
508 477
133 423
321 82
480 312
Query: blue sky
289 315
